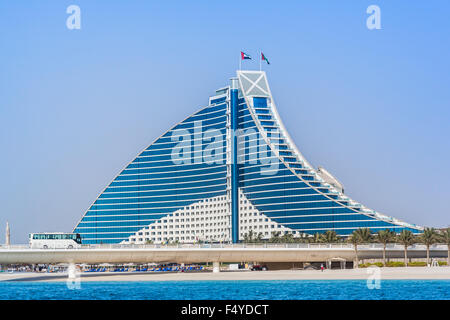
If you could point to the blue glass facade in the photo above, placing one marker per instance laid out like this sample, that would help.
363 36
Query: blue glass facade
191 162
169 174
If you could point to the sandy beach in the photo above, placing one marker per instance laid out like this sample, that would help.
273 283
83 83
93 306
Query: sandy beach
412 273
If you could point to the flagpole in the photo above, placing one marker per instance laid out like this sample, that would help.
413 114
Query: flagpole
260 58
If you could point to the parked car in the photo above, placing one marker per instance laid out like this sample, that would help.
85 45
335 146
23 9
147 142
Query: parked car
258 267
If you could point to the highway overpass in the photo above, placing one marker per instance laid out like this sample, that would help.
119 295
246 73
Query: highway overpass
261 253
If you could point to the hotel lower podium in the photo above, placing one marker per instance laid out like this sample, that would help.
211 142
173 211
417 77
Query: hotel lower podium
229 170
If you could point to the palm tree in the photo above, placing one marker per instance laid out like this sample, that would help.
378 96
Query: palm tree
248 237
445 238
385 236
302 238
429 237
316 238
275 237
406 238
287 238
251 236
365 234
259 237
355 239
330 236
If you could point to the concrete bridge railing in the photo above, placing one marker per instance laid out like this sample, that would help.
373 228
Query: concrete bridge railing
368 246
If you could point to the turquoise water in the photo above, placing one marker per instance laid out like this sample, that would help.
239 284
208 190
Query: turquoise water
239 290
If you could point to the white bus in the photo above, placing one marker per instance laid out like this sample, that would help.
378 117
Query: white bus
55 240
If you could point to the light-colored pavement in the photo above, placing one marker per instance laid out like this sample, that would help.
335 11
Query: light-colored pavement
419 273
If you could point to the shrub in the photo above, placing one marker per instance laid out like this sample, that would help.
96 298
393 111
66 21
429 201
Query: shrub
395 264
362 265
366 265
378 264
442 263
417 264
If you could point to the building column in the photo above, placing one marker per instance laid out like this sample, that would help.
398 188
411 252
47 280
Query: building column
216 267
234 159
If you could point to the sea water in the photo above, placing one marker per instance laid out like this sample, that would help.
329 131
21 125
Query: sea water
230 290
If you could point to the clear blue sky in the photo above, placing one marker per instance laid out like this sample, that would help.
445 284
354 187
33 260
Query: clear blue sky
371 106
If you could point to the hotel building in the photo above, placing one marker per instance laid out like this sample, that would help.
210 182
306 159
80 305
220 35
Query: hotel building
228 169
